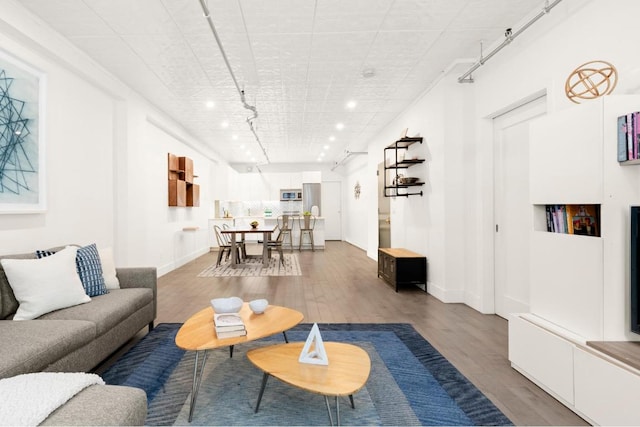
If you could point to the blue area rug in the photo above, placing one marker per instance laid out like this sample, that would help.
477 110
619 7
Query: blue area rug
410 383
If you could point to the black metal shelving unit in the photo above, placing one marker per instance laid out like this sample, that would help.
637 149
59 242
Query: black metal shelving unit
396 189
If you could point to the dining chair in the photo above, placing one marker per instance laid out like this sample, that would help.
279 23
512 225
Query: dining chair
277 244
223 244
285 223
241 243
307 224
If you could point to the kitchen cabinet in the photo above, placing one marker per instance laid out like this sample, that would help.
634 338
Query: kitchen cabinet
401 267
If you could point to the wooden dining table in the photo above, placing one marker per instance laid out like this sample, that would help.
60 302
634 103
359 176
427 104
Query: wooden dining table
266 231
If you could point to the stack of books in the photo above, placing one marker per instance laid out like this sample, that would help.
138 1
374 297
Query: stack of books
629 137
574 219
229 325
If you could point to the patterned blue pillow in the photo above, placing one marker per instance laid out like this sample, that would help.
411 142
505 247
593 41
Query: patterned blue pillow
44 253
89 269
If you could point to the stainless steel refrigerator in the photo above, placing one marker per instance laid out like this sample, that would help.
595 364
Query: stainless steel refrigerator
311 196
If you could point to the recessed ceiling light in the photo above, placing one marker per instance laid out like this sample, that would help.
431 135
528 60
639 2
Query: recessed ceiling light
339 126
326 147
332 138
234 137
351 105
248 152
253 159
368 73
319 159
224 124
322 154
242 147
210 104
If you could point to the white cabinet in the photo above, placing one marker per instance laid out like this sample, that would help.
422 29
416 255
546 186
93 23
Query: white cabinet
565 156
596 387
542 357
575 281
606 393
579 284
567 281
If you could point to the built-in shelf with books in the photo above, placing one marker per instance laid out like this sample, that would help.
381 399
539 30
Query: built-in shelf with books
397 162
579 281
574 219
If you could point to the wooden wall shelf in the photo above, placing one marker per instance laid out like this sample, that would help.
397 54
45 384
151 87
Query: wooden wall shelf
182 190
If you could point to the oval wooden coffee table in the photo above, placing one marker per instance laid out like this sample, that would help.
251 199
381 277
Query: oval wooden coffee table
198 334
347 371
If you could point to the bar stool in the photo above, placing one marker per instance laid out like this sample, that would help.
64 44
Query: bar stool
307 223
285 224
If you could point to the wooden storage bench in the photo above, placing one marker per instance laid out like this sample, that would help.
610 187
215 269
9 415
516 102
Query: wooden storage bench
400 267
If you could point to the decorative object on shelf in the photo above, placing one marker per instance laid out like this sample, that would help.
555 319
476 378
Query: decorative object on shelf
356 190
591 80
22 178
182 190
408 180
313 351
227 305
254 224
258 306
400 185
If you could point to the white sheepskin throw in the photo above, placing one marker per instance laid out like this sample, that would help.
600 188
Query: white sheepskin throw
28 399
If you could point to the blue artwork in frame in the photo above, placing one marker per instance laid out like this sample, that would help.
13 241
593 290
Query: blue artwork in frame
22 178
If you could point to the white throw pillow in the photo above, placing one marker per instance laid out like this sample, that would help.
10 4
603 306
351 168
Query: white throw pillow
108 268
46 284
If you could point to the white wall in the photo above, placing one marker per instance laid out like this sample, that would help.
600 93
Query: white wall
106 160
78 141
432 224
453 223
356 218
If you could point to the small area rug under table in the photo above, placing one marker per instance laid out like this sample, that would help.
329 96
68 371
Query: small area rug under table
253 267
410 383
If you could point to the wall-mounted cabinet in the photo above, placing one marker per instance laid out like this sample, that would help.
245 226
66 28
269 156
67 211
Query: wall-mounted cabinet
182 190
579 281
396 163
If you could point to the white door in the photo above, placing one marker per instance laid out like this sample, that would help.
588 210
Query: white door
332 209
512 210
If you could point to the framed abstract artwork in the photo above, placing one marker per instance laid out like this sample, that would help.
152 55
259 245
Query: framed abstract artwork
22 147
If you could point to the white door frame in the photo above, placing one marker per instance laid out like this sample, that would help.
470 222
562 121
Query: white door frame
518 114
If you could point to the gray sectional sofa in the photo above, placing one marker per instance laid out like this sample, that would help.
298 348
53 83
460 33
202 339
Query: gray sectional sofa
77 339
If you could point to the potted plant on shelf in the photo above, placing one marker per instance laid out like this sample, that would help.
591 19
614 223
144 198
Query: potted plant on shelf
254 224
307 217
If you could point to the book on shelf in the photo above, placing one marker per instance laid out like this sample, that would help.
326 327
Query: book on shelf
628 129
622 138
573 219
630 138
635 133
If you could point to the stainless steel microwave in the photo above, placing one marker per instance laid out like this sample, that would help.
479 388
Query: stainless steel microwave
291 194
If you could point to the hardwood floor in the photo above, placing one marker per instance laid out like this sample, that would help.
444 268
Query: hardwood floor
340 285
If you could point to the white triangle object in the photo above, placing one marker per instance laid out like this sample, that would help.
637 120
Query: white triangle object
313 351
